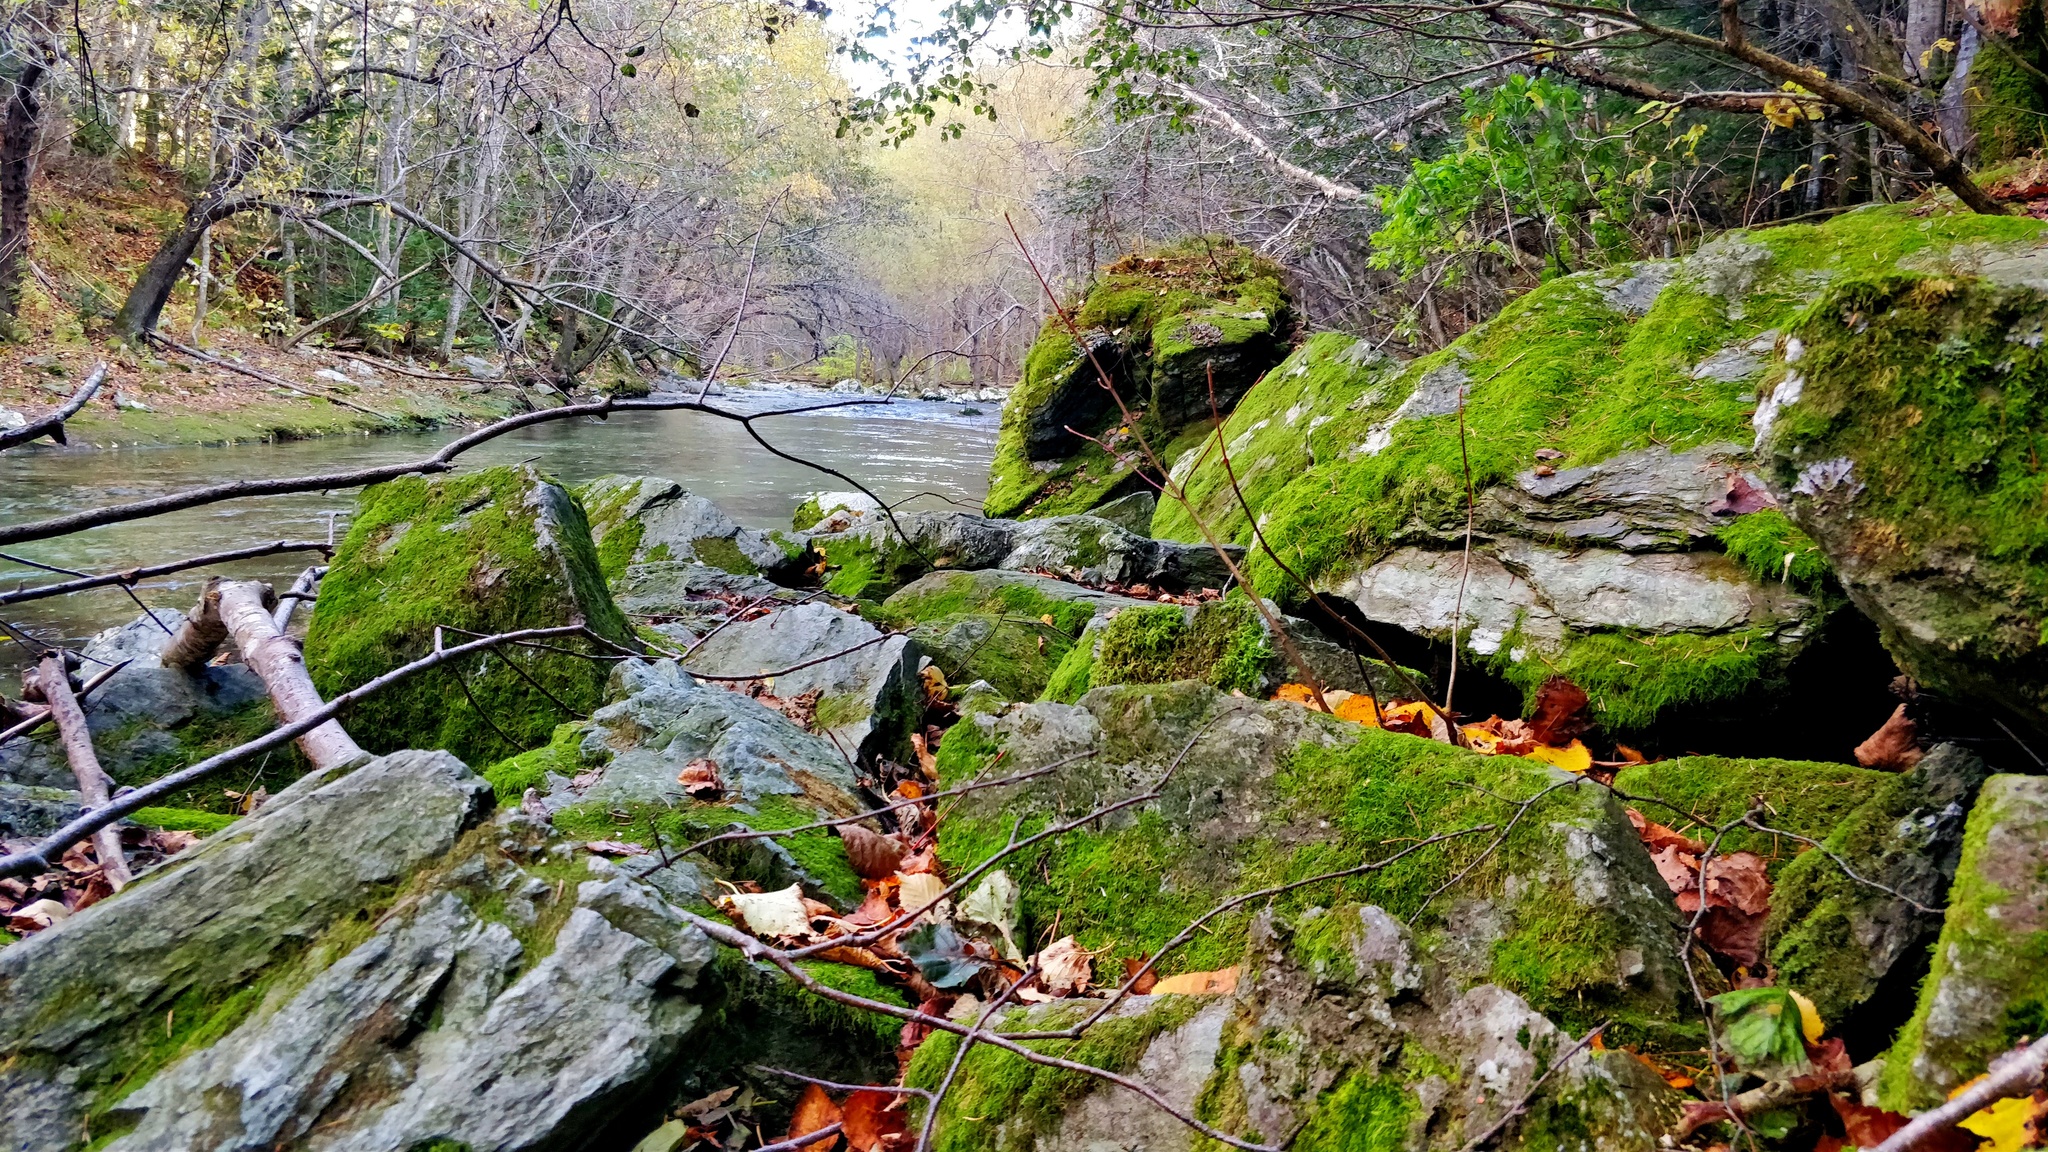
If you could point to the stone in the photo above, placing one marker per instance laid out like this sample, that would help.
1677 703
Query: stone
1988 988
689 595
129 403
867 688
28 813
142 717
637 519
11 419
1131 513
878 556
1652 500
479 367
79 1002
490 551
1907 460
833 511
1575 919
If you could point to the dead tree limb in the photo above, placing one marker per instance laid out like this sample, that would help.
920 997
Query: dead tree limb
196 640
267 377
245 611
38 858
133 576
2020 1073
301 591
34 718
53 424
53 684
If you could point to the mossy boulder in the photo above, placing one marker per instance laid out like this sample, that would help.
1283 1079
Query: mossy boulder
642 519
1904 435
1011 629
1567 911
879 555
1988 989
492 551
1163 326
1639 553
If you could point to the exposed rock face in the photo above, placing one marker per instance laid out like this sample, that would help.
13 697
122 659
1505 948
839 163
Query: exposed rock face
490 551
1011 629
638 519
874 558
1576 920
1166 328
866 690
1988 987
137 716
1908 454
1623 534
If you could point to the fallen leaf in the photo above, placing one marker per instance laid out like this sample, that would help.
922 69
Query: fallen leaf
875 909
778 913
673 1136
2006 1125
1144 984
1810 1024
942 956
814 1110
1549 454
1866 1127
613 848
994 904
1656 836
1064 967
874 1122
1760 1028
921 893
873 855
1561 716
1356 707
705 1104
37 916
934 684
1296 694
855 957
918 862
927 763
1221 982
1697 1114
1894 747
700 780
1574 757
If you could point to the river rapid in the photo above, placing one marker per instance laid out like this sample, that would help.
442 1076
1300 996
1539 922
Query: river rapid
925 454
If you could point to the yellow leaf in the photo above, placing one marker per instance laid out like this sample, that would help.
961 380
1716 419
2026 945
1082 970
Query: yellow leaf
1218 983
1575 757
1781 112
1809 1019
1047 620
1296 694
1397 146
2003 1125
1356 707
1793 178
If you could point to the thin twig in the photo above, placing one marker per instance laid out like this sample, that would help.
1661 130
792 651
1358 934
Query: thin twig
2019 1073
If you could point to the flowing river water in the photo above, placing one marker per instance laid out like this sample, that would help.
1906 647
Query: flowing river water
924 454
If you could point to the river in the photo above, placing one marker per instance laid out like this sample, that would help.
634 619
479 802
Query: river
926 454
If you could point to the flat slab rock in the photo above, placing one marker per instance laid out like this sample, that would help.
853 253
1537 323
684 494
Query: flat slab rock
1085 548
677 524
866 681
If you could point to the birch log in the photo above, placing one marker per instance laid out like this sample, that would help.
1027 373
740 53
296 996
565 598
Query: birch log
244 608
53 681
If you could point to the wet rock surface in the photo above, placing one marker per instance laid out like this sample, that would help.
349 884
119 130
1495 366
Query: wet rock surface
648 518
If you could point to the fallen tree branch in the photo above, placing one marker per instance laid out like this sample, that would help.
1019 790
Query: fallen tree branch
53 424
38 717
265 377
39 858
440 461
202 633
245 610
132 576
301 591
2020 1073
53 683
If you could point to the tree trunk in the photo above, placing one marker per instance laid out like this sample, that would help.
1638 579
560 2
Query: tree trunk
53 681
17 172
201 281
145 303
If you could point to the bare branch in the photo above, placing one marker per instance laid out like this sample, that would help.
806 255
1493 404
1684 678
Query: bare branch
53 424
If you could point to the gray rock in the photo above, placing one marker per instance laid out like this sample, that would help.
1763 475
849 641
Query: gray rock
135 715
867 690
674 524
207 922
11 419
33 813
1131 513
1644 501
696 596
1436 394
1084 548
1634 294
1987 989
479 367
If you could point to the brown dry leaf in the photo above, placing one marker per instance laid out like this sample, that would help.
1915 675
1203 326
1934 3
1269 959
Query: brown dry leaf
927 762
1221 982
921 890
1146 983
779 913
613 848
700 780
874 1121
1561 715
1895 747
873 855
918 862
1657 837
1064 967
855 957
873 910
37 916
815 1110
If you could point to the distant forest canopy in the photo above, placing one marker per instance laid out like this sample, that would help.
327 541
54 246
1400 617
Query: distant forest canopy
655 182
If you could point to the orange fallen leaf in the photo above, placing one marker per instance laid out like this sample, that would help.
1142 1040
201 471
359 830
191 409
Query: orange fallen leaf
1356 707
1573 757
873 1122
815 1110
1895 747
1221 982
1296 694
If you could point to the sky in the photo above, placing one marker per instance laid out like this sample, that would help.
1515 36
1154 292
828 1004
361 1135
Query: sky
912 18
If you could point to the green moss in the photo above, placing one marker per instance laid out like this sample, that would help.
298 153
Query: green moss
955 593
1002 1101
204 735
818 852
561 755
1633 678
1017 655
807 515
1075 674
462 553
885 1030
1982 951
182 820
1224 645
1363 1113
615 550
1774 550
2004 100
723 552
1799 796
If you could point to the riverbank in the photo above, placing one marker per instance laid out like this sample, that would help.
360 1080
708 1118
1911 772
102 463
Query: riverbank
250 393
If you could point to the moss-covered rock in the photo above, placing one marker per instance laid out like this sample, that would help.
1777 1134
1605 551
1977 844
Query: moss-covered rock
1989 985
1906 441
1638 386
1567 911
1011 629
643 519
1162 325
492 551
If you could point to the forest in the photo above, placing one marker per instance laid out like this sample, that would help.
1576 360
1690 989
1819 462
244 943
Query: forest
1024 575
